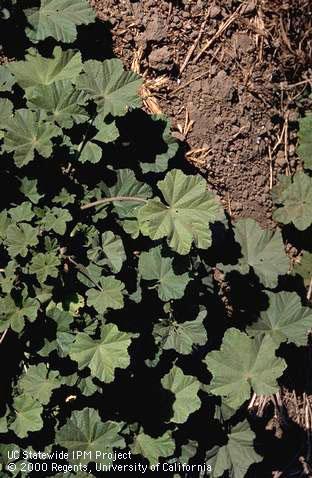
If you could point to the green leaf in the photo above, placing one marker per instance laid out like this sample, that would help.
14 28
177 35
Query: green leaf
102 356
6 79
20 238
181 336
237 455
186 215
28 416
87 386
90 152
114 90
4 224
58 19
6 111
56 220
305 140
85 431
295 202
185 388
263 250
153 266
39 383
243 364
44 266
64 198
304 267
153 448
38 70
26 133
109 251
22 213
29 189
107 132
285 320
8 277
109 296
60 101
13 312
64 335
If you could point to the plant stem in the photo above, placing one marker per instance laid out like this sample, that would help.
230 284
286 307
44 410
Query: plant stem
3 336
112 199
83 271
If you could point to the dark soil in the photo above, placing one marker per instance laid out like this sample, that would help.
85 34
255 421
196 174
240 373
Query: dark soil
244 96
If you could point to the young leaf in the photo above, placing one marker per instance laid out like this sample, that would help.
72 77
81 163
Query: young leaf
181 336
38 70
86 432
109 296
237 455
261 249
186 216
20 238
113 89
243 364
44 266
28 416
102 356
58 19
153 448
285 320
153 266
22 213
26 133
56 220
38 383
185 388
295 202
61 102
29 189
305 140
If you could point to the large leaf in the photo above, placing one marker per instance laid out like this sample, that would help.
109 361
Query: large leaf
102 356
185 388
243 364
28 416
186 215
86 432
285 320
154 267
295 202
26 133
22 213
6 110
305 140
113 89
38 383
153 448
237 455
13 312
61 102
20 238
262 250
58 19
181 336
44 266
108 296
38 70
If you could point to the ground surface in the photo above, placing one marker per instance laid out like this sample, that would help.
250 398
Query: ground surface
223 71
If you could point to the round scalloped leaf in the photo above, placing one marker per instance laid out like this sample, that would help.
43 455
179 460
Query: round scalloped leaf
108 250
237 455
29 189
261 249
38 382
28 416
60 101
153 448
243 364
91 153
294 202
6 79
56 219
44 266
22 213
38 70
186 215
58 19
26 133
85 431
102 356
185 388
114 90
154 267
305 141
181 336
6 111
19 238
13 312
285 320
108 296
